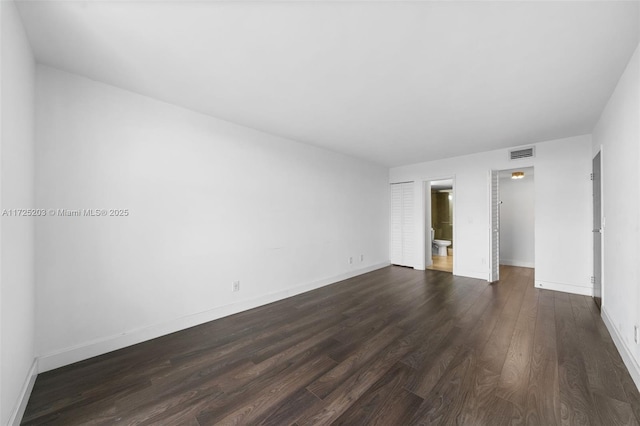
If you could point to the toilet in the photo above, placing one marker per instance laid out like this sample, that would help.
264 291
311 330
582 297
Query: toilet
439 246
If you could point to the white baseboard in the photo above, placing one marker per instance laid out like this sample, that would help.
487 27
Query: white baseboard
519 263
471 274
565 288
628 359
25 393
101 346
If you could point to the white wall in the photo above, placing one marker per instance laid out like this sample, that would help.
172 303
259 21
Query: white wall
563 238
562 210
17 282
210 203
618 134
517 220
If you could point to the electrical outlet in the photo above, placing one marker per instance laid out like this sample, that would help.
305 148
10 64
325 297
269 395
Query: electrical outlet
236 286
350 260
362 258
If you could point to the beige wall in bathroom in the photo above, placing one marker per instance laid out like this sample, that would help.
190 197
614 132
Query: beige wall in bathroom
441 216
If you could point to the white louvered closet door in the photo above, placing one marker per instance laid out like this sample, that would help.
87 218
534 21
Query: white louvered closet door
408 237
402 251
396 224
494 232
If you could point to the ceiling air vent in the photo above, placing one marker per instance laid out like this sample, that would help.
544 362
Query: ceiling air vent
517 154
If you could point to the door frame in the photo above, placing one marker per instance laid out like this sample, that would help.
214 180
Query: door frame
499 225
425 233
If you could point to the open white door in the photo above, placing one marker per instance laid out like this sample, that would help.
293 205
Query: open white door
428 259
494 230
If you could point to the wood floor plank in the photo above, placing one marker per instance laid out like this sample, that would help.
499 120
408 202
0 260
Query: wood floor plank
514 378
494 352
576 401
600 372
216 393
289 410
489 338
613 411
502 412
445 402
439 358
543 393
609 356
385 403
542 404
392 347
261 404
338 401
606 388
325 384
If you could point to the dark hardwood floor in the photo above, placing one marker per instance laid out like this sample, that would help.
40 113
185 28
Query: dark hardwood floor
392 347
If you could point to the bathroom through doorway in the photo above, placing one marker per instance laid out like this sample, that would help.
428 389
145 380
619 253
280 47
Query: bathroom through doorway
439 224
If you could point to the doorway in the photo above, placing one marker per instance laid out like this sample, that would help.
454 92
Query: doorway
512 227
439 225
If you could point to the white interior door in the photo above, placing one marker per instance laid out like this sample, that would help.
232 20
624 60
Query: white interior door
597 232
494 230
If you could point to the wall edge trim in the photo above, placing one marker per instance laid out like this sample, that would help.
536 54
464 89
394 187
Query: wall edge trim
471 274
565 288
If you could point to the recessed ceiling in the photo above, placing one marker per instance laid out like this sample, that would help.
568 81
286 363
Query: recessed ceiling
506 174
391 82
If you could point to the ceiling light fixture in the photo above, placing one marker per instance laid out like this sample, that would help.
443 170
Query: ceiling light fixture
517 175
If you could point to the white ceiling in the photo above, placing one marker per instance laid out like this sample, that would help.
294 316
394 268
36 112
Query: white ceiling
392 82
